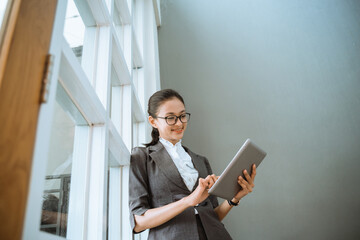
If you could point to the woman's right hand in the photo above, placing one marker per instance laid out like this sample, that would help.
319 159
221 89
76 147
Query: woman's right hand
156 216
201 191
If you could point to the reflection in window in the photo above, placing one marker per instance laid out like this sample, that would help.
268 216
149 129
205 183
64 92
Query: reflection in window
58 172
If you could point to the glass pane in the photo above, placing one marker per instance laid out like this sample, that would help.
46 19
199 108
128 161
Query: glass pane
74 29
116 100
5 6
58 173
113 199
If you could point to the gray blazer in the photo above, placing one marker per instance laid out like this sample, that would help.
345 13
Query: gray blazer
154 181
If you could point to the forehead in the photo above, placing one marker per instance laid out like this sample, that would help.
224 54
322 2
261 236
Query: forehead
173 105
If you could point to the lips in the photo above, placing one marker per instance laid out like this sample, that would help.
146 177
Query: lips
178 130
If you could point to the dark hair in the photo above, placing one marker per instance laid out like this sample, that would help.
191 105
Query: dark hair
154 103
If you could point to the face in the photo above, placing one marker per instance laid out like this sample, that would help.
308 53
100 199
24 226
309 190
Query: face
172 133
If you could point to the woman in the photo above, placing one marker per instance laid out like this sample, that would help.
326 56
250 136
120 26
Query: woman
169 183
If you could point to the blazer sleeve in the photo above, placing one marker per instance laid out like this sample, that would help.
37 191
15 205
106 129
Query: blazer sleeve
213 198
138 184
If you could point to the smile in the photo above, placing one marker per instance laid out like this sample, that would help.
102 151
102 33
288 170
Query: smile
177 130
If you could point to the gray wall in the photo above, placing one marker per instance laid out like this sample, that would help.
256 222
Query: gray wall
287 75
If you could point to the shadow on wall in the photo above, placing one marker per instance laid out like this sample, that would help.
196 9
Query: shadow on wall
285 74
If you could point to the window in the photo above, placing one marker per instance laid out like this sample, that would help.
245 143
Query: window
64 148
74 29
4 11
96 102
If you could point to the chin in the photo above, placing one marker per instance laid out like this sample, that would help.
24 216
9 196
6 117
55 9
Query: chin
178 137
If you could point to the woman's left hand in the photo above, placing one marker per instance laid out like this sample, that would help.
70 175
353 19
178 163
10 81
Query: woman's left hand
246 184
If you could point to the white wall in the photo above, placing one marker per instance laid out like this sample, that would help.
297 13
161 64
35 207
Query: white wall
287 75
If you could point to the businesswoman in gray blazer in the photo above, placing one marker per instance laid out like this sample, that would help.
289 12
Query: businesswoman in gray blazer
168 183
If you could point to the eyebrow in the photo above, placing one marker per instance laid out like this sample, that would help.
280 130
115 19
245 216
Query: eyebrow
171 113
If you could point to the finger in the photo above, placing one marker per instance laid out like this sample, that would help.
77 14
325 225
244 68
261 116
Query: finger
208 180
211 181
242 184
217 177
204 185
247 176
247 185
253 172
202 182
245 188
213 176
249 179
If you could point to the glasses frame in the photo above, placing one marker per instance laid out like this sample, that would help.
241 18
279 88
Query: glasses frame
176 118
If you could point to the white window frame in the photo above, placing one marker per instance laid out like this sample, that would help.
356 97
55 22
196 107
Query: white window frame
106 152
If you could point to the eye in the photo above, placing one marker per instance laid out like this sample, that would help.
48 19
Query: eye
171 117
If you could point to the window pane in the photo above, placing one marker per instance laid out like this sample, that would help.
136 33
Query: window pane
58 173
4 12
135 132
74 29
116 95
3 5
114 199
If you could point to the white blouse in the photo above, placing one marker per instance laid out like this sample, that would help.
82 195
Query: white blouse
183 162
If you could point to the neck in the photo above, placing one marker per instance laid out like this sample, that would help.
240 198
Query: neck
173 141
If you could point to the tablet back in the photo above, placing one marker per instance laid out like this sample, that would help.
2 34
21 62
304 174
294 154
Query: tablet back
227 186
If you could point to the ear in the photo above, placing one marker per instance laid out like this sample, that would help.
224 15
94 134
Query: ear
152 121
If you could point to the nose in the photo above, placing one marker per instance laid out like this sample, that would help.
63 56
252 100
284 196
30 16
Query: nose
178 122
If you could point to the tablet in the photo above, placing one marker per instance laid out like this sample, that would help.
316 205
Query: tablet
227 186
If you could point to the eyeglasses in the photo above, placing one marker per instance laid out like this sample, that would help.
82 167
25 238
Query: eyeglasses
172 119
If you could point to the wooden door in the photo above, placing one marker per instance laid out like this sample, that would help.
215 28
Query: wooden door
20 94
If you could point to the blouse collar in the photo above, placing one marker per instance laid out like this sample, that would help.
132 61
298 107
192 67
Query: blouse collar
169 144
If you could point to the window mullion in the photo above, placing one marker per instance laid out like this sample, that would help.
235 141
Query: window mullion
128 47
127 116
116 115
89 53
115 226
78 197
126 232
124 10
103 69
97 208
103 66
100 12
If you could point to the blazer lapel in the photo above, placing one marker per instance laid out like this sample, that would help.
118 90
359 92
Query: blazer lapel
163 160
